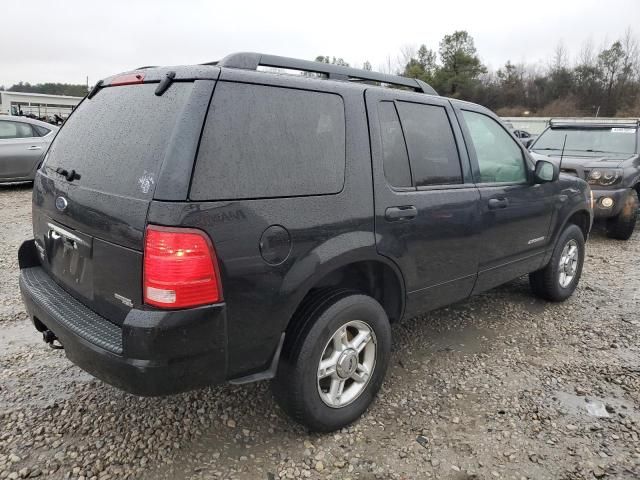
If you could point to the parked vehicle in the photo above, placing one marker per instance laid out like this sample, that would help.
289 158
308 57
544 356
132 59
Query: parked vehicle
201 224
607 155
525 137
23 142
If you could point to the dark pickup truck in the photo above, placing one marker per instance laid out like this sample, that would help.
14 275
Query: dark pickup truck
201 224
607 156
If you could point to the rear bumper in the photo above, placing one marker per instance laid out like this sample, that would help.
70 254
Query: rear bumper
618 197
152 353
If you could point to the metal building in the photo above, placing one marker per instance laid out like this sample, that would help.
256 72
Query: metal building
43 106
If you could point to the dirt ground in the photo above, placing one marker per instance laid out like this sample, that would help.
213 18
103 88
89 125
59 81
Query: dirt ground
500 386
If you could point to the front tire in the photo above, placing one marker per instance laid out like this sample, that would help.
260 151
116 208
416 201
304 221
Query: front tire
621 226
558 280
334 360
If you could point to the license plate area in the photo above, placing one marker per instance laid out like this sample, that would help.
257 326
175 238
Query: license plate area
69 255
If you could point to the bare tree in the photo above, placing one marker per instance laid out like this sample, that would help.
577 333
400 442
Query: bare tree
631 59
587 56
386 66
407 52
560 57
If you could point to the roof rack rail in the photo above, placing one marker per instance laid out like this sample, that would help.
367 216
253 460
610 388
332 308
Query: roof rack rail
568 121
251 61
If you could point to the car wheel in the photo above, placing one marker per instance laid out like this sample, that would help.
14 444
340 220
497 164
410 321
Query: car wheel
621 226
558 280
334 360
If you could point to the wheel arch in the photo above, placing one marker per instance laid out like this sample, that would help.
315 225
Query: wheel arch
373 275
581 218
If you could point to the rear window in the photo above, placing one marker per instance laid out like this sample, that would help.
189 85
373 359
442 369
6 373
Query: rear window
265 142
116 141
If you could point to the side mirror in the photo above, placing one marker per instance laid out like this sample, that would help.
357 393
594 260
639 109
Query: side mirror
546 172
527 142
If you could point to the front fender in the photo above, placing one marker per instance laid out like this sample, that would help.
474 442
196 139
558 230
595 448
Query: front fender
578 199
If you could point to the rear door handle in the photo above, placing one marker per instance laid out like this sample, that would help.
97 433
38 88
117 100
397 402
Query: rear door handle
496 203
406 212
34 147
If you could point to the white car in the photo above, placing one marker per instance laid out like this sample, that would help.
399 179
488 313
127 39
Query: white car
23 142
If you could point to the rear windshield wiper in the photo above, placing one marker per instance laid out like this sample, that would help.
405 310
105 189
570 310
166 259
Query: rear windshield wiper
165 83
95 89
70 175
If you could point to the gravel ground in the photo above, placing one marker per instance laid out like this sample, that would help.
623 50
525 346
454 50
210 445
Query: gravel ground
500 386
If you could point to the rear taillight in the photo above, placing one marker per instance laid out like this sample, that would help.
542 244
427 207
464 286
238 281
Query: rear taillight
180 268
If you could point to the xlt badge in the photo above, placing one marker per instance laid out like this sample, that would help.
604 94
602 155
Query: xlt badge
535 240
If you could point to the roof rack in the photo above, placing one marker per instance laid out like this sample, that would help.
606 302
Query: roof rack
568 122
251 61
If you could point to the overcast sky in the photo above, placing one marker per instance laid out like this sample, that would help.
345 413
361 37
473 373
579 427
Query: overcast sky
64 41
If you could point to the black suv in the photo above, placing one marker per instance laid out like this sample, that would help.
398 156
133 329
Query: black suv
607 155
201 224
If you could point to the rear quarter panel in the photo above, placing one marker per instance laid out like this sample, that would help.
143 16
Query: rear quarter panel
326 231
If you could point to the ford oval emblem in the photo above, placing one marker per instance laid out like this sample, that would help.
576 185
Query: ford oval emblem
61 203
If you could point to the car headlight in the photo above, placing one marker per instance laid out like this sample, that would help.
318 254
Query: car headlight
604 176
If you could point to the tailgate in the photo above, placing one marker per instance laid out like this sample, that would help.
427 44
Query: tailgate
91 197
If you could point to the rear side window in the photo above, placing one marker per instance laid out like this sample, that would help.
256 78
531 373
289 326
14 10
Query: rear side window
431 144
41 131
394 150
116 141
262 142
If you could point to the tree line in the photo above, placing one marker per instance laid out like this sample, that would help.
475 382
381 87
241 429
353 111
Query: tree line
73 90
603 81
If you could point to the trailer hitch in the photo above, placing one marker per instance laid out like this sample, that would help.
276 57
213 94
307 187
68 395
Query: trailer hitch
50 339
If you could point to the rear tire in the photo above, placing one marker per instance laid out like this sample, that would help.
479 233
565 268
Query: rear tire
334 359
621 226
558 280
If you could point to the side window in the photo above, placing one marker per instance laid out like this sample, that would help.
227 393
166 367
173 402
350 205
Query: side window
432 147
15 130
499 158
394 150
8 130
23 130
268 142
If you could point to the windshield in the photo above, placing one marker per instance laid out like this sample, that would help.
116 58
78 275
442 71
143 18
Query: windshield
592 140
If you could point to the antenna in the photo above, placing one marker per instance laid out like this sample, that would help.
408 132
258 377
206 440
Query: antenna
564 144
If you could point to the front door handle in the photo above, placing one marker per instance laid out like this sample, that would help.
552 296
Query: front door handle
405 212
496 203
34 147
